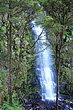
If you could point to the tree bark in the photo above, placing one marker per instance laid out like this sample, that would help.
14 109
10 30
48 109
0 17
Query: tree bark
9 44
58 68
10 58
10 69
58 80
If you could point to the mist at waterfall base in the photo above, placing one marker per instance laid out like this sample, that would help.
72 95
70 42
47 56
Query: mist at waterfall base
43 68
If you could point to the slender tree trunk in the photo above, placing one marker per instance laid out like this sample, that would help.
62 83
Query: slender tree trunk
58 68
10 69
58 80
9 63
10 58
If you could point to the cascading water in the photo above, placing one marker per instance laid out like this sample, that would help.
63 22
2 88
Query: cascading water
43 68
45 72
46 79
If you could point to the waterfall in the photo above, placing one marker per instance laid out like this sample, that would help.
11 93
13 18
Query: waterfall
43 69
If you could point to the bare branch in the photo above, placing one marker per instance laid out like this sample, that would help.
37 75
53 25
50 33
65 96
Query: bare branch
37 52
34 43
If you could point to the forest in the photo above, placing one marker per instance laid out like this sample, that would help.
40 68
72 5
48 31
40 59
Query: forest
20 85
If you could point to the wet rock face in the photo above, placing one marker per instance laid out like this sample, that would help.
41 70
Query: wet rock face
45 105
37 104
51 105
34 102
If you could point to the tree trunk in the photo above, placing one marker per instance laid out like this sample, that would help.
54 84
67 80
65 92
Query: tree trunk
58 80
10 69
10 58
9 63
58 68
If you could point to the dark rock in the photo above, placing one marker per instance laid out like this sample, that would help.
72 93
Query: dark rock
38 104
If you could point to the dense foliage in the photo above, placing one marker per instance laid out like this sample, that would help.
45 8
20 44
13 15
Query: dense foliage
17 48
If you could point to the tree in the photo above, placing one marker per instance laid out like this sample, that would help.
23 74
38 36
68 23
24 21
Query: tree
16 17
61 12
